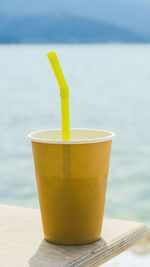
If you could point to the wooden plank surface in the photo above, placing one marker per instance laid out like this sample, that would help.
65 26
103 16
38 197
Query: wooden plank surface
22 244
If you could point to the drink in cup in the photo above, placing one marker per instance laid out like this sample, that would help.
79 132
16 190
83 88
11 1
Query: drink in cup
71 169
71 179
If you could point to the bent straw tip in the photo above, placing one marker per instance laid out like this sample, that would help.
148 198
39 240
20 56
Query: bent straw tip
51 55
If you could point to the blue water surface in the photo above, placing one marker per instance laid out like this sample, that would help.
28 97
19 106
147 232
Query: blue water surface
109 89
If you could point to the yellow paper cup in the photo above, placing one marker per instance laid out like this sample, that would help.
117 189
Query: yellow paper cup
71 179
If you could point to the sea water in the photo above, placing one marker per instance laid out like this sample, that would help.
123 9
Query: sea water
109 89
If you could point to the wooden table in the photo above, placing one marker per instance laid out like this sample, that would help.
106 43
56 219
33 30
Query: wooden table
22 244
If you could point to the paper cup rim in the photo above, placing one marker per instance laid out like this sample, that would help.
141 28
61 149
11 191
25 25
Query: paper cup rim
79 141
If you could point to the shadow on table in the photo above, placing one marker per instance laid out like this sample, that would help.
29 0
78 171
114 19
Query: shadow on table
49 254
42 255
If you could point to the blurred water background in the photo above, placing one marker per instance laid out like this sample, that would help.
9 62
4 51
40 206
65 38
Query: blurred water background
109 89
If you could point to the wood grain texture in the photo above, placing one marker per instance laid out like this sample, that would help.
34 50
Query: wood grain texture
22 244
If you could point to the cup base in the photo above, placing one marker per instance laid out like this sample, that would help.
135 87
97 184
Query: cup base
72 243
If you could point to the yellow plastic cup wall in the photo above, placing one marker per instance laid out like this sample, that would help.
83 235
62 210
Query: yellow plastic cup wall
71 181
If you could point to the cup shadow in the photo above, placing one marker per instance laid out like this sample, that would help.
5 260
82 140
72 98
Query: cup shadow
43 254
49 254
